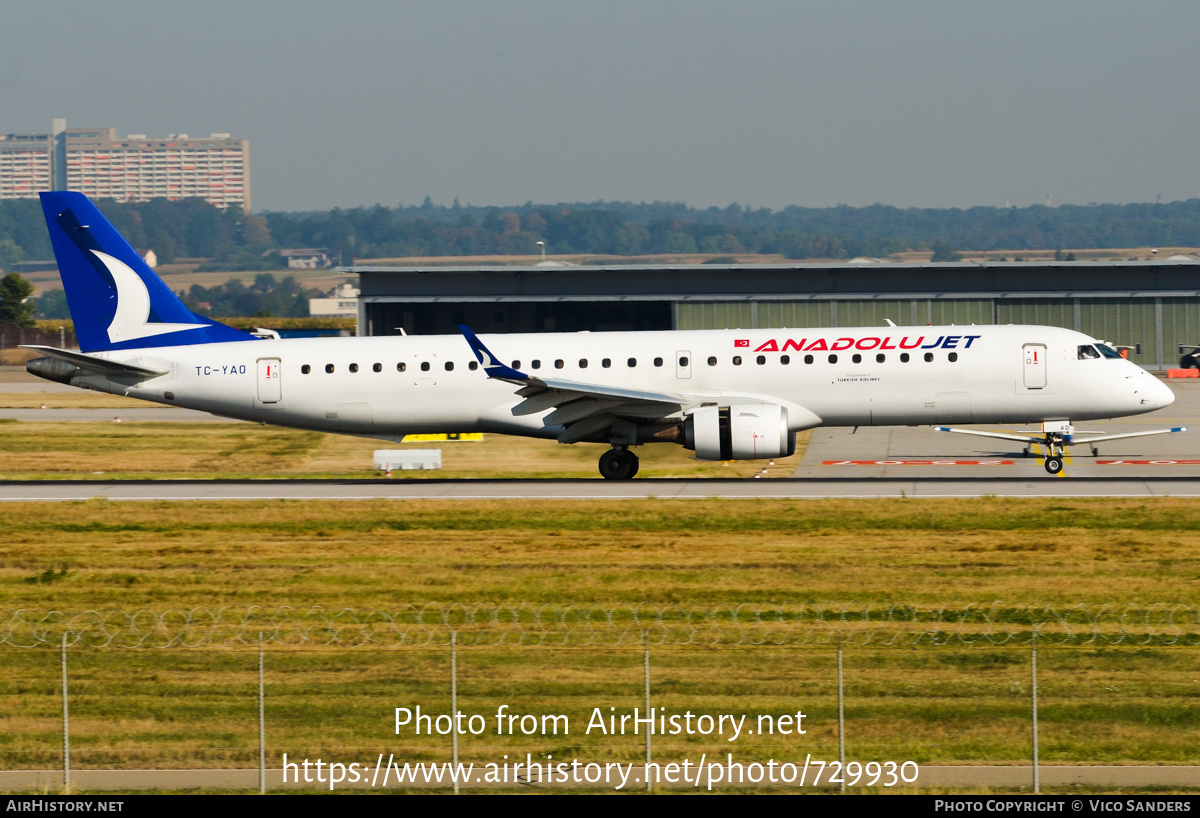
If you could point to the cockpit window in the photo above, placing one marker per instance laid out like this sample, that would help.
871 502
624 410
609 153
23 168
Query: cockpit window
1107 351
1087 351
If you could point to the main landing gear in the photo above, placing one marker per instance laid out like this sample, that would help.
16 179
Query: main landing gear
618 464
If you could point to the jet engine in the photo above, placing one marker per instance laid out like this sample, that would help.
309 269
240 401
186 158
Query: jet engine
53 369
743 431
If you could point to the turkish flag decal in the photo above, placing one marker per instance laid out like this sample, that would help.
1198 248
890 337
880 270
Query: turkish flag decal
741 343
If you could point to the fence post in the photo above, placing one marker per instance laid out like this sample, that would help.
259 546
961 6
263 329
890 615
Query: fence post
1034 708
454 704
649 712
262 733
841 717
66 724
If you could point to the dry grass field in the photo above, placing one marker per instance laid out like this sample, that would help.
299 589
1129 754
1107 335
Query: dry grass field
377 554
940 705
105 450
75 399
183 275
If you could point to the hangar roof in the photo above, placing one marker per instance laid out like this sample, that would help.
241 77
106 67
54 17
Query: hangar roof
686 282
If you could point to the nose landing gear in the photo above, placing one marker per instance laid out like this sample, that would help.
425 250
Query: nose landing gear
1055 451
618 463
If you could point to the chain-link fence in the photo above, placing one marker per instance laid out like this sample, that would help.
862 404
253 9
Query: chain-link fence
227 692
512 625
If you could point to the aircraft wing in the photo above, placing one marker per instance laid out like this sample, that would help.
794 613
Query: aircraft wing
582 408
94 364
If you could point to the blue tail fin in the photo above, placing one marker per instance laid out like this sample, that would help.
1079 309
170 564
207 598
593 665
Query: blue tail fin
116 300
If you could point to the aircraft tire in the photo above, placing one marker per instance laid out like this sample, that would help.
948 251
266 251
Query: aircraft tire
1054 465
618 464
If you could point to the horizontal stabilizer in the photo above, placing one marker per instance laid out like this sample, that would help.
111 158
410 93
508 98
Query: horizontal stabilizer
1092 440
1035 438
1026 438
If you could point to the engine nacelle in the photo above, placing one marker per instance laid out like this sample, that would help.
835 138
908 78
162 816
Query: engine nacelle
743 431
53 369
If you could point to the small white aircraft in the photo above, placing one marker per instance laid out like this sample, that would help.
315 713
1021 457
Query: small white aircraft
723 394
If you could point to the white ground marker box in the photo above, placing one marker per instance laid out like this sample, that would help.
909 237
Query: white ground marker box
408 459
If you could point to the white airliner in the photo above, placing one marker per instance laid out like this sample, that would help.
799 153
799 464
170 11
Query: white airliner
723 394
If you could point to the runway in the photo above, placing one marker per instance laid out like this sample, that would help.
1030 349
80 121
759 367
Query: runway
920 452
676 489
164 414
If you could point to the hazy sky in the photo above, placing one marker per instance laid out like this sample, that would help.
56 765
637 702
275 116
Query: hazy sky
920 103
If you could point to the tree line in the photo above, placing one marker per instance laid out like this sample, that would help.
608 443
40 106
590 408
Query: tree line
266 297
235 241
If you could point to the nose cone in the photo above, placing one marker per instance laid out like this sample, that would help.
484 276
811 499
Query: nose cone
1160 394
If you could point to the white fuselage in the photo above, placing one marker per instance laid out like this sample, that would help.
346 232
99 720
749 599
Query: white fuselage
390 386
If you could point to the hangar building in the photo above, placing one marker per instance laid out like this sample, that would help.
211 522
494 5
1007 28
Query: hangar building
1154 305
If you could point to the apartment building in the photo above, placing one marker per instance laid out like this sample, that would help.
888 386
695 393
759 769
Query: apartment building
26 165
135 168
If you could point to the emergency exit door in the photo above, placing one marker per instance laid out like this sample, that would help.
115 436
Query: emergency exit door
270 388
683 363
1035 366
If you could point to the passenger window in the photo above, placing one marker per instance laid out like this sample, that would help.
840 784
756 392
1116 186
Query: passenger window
683 361
833 359
808 359
329 367
903 357
760 360
559 364
535 364
583 363
473 365
424 366
737 360
712 361
304 370
880 358
377 367
785 359
856 358
658 361
400 367
928 357
606 363
953 356
449 366
632 362
353 367
516 364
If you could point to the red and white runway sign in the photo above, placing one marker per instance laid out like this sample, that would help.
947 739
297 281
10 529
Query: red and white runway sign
920 462
1148 462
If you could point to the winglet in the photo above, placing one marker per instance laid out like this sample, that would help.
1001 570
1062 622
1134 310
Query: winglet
491 364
